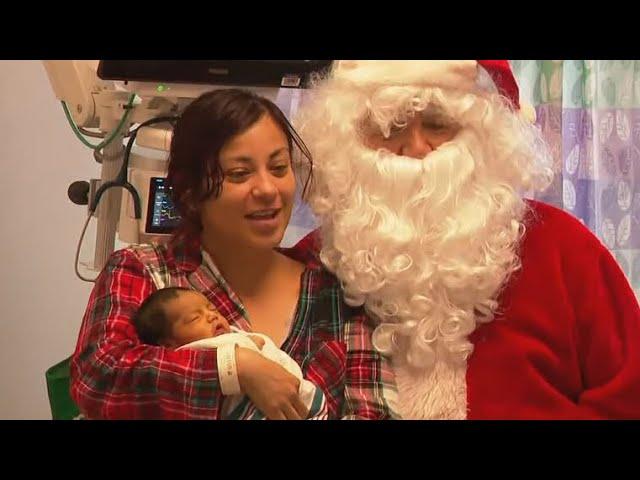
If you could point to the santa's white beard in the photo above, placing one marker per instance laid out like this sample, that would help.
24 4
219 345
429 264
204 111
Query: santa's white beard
424 244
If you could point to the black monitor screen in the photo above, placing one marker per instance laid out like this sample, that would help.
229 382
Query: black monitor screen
266 73
162 217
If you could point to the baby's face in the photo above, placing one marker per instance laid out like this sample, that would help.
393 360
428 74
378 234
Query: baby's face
193 317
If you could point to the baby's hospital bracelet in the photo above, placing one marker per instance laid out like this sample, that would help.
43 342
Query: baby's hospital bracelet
227 370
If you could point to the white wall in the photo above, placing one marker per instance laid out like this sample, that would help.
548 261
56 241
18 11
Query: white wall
41 300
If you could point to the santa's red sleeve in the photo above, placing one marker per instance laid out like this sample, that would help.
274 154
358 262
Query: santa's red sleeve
565 342
608 339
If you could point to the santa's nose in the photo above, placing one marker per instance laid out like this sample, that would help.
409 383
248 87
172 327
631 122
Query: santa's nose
416 143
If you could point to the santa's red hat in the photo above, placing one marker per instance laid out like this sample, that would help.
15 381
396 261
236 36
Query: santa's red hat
451 74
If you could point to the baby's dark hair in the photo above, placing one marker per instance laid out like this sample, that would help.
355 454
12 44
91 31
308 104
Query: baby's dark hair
151 320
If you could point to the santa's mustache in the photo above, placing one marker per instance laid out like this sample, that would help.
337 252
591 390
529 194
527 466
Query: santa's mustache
392 194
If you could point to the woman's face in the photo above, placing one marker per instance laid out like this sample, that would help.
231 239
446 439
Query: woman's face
256 199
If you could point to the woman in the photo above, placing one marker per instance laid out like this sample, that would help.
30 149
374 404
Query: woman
231 172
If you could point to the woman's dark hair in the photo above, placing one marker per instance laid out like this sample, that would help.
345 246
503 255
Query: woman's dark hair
151 321
200 133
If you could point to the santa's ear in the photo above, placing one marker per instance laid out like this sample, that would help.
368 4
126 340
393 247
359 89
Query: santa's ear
528 112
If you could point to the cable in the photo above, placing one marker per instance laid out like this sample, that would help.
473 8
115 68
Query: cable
78 274
113 135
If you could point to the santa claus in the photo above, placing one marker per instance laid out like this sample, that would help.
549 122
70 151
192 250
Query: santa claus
490 305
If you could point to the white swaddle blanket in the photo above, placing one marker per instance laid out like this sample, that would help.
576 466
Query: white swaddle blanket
239 407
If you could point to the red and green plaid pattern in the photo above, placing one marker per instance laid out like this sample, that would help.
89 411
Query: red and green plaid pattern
115 376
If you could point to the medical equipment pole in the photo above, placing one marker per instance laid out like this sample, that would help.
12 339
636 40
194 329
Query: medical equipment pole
109 206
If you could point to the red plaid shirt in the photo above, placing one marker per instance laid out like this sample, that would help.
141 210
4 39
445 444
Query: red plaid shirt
114 376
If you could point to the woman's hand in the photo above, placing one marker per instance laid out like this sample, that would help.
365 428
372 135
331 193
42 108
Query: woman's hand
272 389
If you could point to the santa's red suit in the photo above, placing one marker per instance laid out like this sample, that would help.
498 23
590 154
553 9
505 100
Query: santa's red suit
565 343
